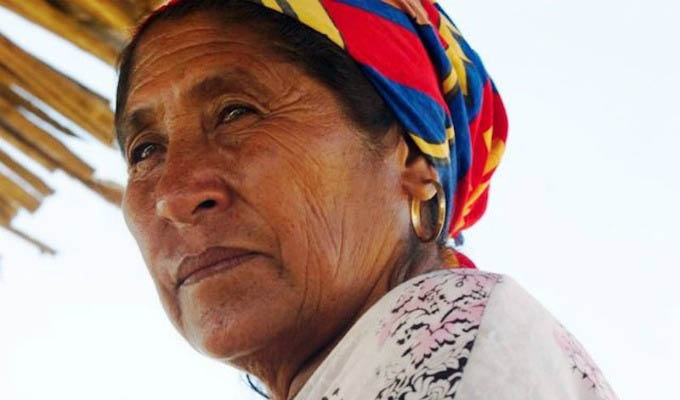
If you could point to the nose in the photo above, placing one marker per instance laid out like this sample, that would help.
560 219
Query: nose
187 204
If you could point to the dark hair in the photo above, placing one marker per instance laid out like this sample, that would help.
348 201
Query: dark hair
293 41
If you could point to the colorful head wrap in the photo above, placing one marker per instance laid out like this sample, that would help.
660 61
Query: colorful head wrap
433 82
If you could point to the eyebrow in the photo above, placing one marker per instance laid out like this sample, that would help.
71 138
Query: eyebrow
132 123
211 86
237 80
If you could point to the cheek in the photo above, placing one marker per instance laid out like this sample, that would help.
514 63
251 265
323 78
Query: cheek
139 213
304 183
138 210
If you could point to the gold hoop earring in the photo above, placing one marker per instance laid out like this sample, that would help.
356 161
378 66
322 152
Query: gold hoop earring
417 222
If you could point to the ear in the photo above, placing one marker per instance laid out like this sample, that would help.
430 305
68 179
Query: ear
417 174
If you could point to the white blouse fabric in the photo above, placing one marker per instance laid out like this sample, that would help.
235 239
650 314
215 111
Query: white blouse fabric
460 334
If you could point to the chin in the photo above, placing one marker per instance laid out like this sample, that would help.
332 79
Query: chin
226 320
222 344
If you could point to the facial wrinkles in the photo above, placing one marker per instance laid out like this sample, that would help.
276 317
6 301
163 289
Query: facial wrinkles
324 218
171 60
331 214
303 165
296 104
145 91
316 226
175 116
175 113
188 37
297 139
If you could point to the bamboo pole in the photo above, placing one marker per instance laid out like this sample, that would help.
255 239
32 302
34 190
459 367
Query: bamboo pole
38 184
82 106
7 210
113 13
17 194
64 25
28 149
43 141
99 27
92 23
112 192
49 95
144 7
45 249
55 151
19 101
109 190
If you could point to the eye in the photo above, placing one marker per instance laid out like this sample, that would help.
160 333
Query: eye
232 112
142 152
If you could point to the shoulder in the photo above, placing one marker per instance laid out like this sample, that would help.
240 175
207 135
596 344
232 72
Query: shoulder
437 310
466 334
433 305
425 332
440 294
519 341
413 343
480 335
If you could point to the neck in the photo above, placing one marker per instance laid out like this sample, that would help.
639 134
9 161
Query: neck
312 364
291 374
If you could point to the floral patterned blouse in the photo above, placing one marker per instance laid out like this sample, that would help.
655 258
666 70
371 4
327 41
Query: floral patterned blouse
457 334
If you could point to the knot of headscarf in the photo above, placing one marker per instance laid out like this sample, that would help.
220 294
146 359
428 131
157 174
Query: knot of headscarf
433 82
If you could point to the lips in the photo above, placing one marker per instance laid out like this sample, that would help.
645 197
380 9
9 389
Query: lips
212 261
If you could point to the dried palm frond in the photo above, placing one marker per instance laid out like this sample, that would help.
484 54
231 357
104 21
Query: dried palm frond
32 91
36 183
84 107
42 141
8 94
17 195
40 245
11 137
66 25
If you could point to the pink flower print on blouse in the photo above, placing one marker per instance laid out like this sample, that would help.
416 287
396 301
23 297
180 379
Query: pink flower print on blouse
583 365
433 326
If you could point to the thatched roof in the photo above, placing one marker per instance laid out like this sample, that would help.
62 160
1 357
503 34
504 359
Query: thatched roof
100 27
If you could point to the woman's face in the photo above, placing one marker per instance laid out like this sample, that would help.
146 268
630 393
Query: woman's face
260 214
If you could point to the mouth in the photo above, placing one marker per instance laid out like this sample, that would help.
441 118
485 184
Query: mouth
212 261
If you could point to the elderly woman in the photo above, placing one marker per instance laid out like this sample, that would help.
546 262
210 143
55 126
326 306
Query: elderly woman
298 171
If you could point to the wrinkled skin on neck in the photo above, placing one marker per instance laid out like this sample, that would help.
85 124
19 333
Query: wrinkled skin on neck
229 146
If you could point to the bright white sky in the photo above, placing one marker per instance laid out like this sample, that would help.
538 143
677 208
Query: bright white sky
583 213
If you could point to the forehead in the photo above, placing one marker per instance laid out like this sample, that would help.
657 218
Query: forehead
173 54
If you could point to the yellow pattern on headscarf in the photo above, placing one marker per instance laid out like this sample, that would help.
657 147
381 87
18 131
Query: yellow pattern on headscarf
457 56
436 150
312 14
